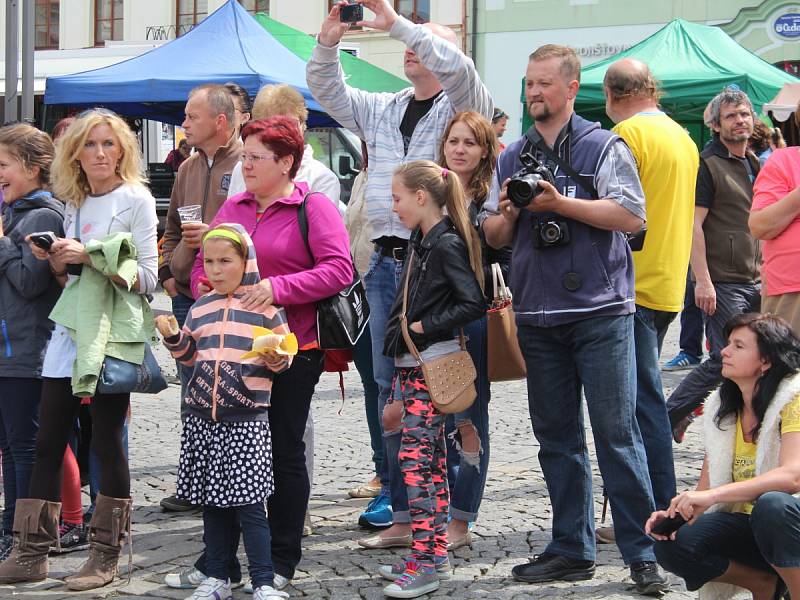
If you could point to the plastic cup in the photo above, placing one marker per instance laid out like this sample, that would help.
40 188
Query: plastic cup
192 213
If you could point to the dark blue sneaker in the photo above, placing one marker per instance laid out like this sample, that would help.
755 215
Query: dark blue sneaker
378 514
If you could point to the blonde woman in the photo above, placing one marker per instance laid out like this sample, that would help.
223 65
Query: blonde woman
97 173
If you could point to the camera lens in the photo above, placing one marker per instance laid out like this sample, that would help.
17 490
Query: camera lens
551 233
521 190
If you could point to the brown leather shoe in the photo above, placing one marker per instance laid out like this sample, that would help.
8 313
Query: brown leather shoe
109 522
35 529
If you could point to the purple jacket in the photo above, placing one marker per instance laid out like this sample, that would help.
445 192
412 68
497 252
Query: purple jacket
298 280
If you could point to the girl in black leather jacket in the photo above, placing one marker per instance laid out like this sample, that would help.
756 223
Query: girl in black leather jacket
469 148
444 294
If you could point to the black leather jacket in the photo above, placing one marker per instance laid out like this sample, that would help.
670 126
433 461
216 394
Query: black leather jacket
443 293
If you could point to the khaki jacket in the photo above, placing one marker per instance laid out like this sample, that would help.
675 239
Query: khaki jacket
195 183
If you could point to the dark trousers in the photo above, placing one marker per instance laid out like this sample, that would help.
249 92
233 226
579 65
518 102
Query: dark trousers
19 422
691 339
732 299
291 400
221 535
703 551
57 411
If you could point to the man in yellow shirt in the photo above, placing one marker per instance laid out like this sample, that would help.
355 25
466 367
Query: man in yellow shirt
667 159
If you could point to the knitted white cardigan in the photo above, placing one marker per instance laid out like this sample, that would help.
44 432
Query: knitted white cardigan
720 447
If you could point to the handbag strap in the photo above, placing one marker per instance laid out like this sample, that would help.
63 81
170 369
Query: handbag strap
501 291
412 348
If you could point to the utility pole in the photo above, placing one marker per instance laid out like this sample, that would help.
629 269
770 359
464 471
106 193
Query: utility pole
27 59
11 112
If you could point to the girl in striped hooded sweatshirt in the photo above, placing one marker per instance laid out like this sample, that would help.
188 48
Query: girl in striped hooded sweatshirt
226 455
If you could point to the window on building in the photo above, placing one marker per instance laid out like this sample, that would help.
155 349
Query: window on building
46 22
255 6
107 21
417 11
189 13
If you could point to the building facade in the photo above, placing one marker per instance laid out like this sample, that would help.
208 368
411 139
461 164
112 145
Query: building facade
503 33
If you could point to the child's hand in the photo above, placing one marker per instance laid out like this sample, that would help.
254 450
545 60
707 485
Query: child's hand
167 325
275 362
416 327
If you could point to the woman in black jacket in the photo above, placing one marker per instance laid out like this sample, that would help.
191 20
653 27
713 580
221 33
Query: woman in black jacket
28 292
444 274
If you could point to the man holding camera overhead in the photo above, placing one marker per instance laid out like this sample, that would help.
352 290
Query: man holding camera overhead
565 196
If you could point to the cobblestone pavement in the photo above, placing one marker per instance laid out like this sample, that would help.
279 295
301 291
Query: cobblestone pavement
513 525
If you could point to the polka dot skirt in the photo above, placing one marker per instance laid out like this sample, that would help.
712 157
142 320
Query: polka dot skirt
225 464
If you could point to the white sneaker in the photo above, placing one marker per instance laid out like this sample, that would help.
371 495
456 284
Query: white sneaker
266 592
279 583
185 579
212 589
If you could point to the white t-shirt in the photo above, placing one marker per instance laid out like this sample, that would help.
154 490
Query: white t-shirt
128 208
318 177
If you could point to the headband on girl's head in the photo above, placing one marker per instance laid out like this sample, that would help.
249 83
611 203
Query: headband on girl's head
223 233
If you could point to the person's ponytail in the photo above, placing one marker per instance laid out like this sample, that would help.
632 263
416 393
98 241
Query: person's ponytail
456 205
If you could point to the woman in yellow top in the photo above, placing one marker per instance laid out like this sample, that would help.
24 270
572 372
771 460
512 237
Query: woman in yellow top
744 516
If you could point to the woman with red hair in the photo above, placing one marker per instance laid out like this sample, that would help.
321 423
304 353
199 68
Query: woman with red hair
295 279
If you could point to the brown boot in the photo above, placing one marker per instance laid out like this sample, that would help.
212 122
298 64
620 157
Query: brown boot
109 522
35 530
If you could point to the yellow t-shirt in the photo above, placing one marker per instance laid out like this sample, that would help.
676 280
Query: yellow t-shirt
668 161
744 455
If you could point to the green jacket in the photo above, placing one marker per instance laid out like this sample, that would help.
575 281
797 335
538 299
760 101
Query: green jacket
102 317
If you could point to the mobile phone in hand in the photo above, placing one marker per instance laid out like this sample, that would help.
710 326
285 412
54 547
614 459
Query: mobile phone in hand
352 13
669 525
43 239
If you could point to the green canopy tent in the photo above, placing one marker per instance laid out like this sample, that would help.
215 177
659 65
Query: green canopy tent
359 73
693 63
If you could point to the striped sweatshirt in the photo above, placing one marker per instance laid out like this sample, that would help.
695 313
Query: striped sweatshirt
375 117
217 332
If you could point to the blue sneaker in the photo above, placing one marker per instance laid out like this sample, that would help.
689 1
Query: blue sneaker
378 514
681 362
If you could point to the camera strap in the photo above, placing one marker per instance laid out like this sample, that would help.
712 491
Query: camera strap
536 140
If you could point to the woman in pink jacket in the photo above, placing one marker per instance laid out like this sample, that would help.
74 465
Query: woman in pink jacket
291 278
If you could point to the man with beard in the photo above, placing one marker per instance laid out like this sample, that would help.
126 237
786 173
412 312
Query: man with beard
573 285
725 257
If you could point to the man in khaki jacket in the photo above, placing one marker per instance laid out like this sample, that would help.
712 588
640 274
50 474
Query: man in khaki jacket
203 180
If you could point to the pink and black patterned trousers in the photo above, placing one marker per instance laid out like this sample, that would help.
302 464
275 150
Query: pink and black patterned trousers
423 461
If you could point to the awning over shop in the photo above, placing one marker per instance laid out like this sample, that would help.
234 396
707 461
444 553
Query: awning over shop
785 103
228 45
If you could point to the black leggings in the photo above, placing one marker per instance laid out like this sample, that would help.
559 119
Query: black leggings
57 411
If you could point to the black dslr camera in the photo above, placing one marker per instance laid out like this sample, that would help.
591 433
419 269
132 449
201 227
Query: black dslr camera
523 186
550 232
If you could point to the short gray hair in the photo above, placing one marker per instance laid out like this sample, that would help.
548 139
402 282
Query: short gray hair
726 96
219 100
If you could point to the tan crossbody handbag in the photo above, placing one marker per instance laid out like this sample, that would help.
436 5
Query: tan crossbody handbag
451 378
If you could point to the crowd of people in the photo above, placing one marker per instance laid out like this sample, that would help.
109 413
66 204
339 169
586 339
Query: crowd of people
594 229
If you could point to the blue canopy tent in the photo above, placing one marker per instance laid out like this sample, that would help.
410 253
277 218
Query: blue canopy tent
229 45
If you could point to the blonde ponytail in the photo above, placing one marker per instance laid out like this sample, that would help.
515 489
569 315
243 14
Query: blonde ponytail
444 188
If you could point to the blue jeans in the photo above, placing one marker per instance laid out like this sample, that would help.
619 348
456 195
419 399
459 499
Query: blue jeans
732 299
19 422
221 535
362 357
467 472
596 354
769 537
383 281
180 309
650 327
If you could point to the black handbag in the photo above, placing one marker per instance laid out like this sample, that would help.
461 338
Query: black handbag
343 317
119 376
